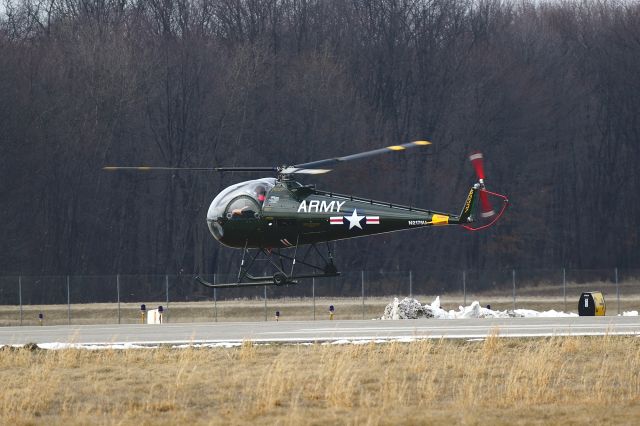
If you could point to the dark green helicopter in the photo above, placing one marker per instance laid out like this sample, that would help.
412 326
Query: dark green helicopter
278 213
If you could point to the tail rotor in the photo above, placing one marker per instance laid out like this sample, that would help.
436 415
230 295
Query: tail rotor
487 213
477 160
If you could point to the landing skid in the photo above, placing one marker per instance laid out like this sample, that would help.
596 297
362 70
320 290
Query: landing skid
244 284
280 277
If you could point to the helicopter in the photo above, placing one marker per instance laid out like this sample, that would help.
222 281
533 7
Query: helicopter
276 215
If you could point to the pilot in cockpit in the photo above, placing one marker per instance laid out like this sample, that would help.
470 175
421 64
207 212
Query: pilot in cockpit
245 207
261 193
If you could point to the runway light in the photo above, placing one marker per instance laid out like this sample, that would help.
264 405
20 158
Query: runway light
143 310
277 315
160 309
40 317
331 311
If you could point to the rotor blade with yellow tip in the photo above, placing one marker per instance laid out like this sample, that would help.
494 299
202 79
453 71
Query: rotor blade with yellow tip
333 161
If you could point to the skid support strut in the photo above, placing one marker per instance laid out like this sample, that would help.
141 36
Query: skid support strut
278 261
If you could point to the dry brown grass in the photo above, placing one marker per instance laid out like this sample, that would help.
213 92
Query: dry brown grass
574 380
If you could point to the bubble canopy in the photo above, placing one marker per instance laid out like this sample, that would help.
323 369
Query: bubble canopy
240 201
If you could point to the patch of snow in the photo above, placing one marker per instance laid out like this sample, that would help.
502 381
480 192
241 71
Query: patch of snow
401 339
124 346
527 313
406 339
630 314
226 345
92 347
341 342
410 308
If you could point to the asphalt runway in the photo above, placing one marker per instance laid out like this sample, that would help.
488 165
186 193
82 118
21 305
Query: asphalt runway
316 331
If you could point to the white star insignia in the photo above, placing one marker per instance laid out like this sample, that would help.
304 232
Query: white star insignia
354 219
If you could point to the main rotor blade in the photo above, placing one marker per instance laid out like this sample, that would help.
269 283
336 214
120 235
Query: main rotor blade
291 170
206 169
333 161
246 169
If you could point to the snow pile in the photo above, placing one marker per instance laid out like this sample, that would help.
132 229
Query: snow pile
410 308
630 314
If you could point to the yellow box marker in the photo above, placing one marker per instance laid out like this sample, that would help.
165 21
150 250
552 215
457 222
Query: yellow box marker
439 219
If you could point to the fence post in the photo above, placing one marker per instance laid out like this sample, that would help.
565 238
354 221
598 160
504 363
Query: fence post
564 287
411 284
313 296
118 291
20 296
215 300
265 302
68 302
513 278
166 285
464 287
362 283
617 289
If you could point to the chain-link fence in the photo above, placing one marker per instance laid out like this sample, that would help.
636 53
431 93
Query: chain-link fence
50 300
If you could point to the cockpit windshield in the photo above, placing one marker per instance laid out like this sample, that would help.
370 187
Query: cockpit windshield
241 201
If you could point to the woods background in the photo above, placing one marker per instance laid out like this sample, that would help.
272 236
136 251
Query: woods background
549 91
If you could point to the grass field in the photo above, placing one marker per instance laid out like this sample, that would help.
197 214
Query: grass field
289 308
574 380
